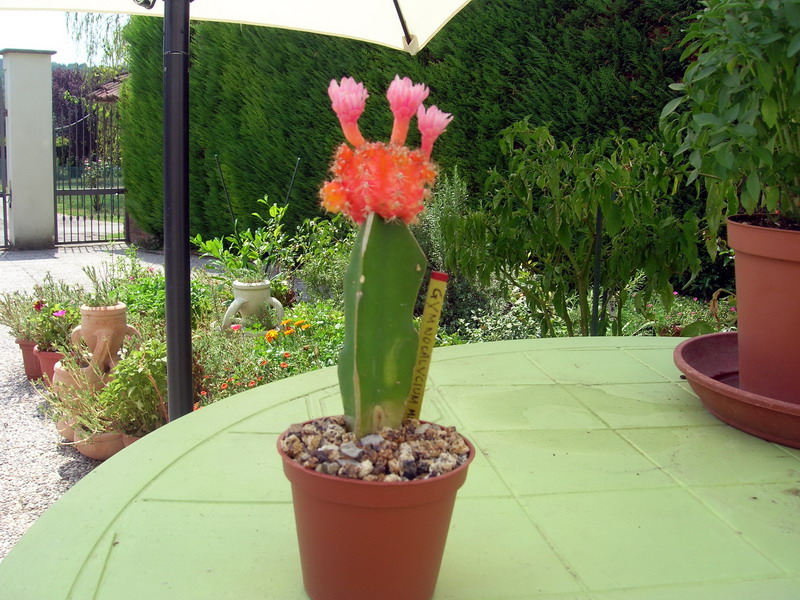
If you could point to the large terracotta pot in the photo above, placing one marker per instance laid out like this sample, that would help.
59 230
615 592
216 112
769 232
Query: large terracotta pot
33 369
104 328
101 446
768 306
361 540
47 362
251 300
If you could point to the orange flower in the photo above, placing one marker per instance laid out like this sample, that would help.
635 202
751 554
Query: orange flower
288 331
224 386
260 378
272 335
284 365
300 322
251 384
264 362
306 326
287 354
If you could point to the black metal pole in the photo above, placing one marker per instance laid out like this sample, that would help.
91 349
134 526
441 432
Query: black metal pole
176 206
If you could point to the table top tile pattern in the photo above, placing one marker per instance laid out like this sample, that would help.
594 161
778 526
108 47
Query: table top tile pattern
599 476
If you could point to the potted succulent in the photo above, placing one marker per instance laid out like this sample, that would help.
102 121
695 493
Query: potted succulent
249 259
372 478
740 132
17 312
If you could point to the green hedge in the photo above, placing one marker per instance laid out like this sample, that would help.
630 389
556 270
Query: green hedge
258 95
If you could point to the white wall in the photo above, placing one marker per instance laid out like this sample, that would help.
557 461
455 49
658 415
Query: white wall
29 140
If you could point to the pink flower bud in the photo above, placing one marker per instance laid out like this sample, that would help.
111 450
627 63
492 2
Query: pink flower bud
432 123
348 100
405 97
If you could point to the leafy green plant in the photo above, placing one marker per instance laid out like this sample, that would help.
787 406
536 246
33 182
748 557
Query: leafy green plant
135 399
250 255
53 325
17 312
536 230
739 120
322 248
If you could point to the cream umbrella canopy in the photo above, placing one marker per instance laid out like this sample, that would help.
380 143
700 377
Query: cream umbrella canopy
406 25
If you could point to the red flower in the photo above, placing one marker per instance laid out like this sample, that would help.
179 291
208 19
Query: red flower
38 305
224 386
251 384
203 393
264 362
287 354
284 365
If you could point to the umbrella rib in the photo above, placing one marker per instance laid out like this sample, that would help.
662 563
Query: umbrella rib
402 21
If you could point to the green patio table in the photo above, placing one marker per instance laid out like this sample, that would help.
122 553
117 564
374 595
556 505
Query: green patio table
598 476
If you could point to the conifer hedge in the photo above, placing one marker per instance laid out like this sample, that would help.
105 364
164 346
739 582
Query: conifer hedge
259 101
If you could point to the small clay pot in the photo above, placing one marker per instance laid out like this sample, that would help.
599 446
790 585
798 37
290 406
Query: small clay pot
33 370
47 361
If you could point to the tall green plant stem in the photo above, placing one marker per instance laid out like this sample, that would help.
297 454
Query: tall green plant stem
377 361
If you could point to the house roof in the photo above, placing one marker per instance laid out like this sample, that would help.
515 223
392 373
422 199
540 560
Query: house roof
109 91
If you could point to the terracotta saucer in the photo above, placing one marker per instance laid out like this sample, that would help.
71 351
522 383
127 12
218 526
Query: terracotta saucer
711 364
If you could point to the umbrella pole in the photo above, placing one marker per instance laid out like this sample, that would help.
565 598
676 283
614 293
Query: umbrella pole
176 207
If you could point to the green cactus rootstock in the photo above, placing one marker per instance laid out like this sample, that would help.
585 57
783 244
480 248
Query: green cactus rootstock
377 361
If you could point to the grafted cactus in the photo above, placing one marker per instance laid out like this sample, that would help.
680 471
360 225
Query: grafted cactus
380 347
382 188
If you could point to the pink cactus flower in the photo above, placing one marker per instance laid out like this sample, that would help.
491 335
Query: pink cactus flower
432 123
405 97
348 100
59 313
236 327
390 180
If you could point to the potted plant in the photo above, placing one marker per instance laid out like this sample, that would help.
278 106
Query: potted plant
135 397
102 419
373 479
249 259
740 132
104 325
18 314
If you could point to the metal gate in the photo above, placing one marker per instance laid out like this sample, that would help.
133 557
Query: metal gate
5 197
90 194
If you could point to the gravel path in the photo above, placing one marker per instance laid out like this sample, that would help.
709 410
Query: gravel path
35 469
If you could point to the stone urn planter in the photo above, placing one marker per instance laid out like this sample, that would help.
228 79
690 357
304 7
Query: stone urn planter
103 329
250 301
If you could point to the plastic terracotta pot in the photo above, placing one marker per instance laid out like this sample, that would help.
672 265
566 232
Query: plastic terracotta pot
33 369
363 540
47 362
768 308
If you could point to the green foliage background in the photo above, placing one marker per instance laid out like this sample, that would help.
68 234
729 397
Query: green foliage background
258 95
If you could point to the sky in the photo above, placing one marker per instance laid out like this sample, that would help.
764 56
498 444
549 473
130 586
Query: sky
39 30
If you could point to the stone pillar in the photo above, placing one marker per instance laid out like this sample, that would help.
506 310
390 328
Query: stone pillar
29 142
